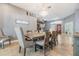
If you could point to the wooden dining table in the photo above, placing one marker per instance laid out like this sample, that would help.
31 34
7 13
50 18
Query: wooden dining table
33 35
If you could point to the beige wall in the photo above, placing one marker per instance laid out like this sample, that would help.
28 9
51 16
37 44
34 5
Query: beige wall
11 14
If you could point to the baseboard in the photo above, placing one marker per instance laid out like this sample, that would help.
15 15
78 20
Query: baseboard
13 41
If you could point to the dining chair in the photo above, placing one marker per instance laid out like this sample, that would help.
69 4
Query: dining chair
43 43
54 40
22 42
4 38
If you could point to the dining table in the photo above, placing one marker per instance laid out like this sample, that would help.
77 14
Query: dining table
34 35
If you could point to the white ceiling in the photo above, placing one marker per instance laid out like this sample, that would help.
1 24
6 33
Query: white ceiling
56 11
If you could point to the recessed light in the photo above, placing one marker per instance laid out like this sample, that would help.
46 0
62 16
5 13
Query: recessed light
43 13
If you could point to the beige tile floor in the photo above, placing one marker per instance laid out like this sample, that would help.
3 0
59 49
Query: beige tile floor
64 48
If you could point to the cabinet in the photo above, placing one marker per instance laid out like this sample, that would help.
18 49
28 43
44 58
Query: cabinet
76 46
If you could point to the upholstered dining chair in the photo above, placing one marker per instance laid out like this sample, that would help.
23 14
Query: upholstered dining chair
4 38
22 42
54 40
43 43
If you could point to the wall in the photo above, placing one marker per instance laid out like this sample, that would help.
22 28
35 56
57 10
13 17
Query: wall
76 21
11 14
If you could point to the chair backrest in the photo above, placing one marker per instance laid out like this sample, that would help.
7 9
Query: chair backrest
46 39
54 34
1 32
20 36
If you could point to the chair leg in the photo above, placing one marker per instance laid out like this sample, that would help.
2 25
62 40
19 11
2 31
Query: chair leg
51 45
24 51
35 48
56 41
2 44
44 51
19 49
9 41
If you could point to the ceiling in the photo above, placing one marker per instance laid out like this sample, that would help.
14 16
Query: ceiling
54 10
